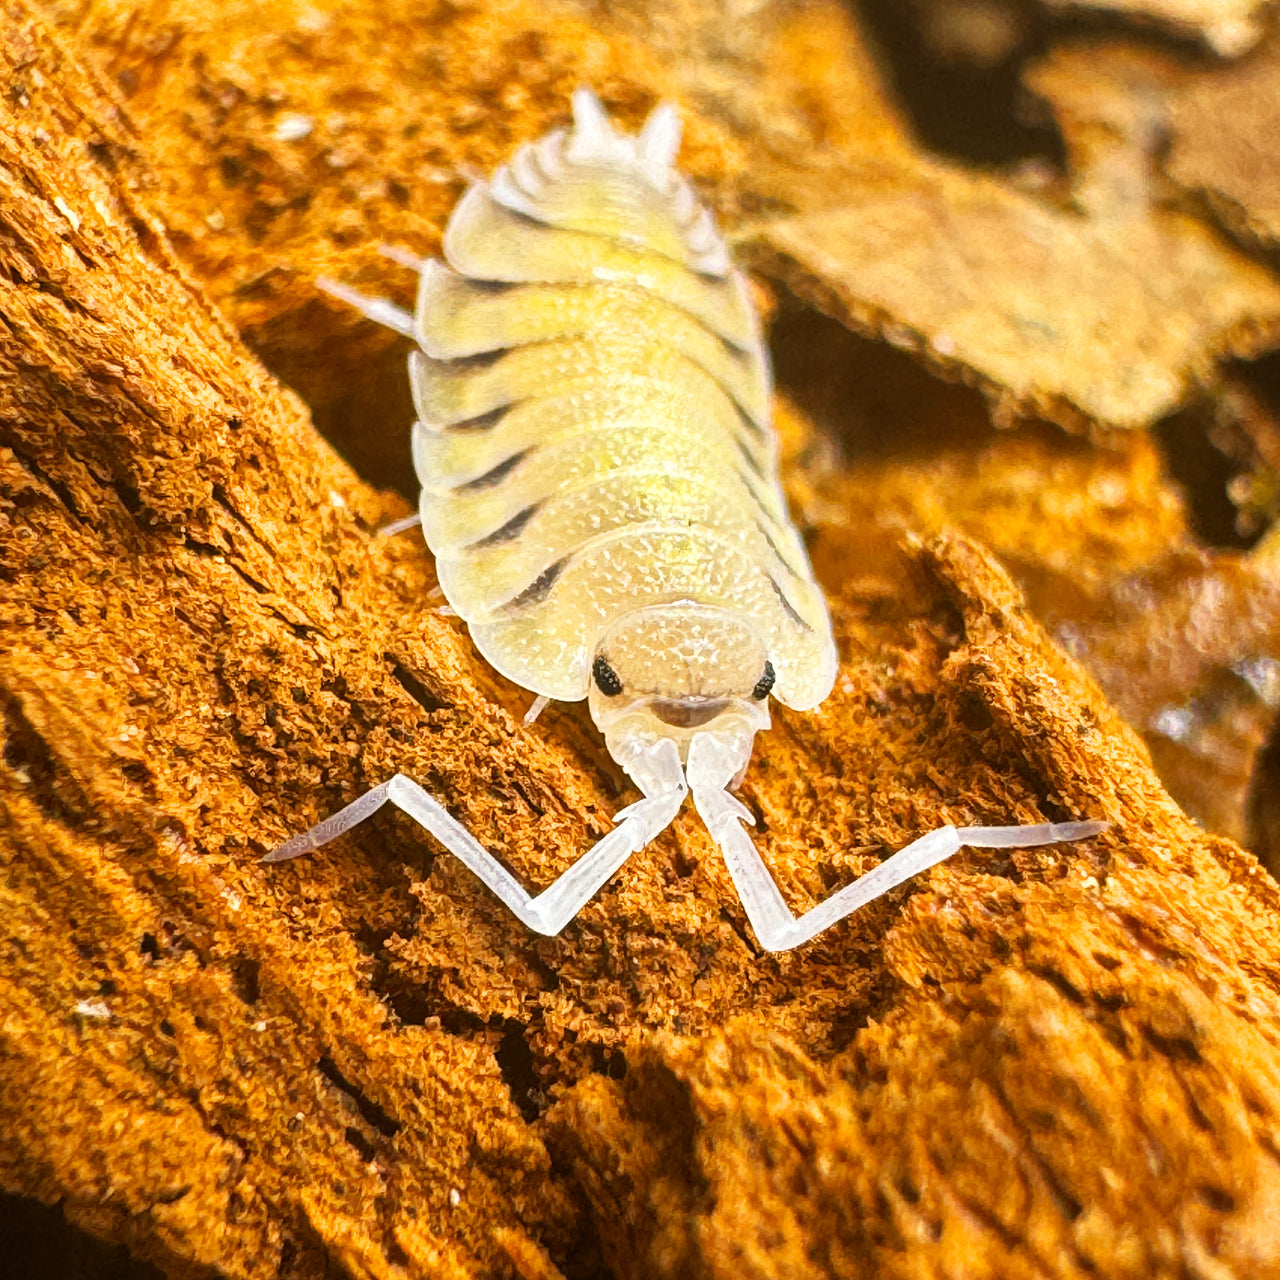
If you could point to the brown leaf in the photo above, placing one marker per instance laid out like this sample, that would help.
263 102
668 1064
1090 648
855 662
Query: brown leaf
1182 639
1099 307
1229 27
1213 126
1222 127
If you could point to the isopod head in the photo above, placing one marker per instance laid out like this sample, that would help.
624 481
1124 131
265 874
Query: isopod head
679 669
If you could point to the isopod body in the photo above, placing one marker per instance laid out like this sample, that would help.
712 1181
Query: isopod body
599 473
600 490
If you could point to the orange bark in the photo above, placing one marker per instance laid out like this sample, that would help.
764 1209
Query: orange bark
1057 1061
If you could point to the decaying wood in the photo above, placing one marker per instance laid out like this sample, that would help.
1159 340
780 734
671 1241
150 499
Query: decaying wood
1059 1062
287 142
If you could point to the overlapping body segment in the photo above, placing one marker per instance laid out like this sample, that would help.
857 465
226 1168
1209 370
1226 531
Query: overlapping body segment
600 489
593 399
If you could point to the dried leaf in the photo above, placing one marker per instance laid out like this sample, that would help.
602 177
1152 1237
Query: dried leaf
1222 129
1183 640
1106 308
1187 650
1229 27
1211 130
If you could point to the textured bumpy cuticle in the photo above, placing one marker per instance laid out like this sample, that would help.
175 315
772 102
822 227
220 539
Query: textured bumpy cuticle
593 399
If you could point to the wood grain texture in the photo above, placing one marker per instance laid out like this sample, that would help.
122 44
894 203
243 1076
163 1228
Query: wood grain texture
1057 1062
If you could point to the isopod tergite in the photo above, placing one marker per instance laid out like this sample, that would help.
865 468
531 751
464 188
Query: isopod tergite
600 491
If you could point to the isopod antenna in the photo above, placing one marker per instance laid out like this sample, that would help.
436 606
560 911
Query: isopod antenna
711 769
658 774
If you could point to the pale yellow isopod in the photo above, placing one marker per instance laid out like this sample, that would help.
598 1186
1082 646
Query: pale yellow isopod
600 490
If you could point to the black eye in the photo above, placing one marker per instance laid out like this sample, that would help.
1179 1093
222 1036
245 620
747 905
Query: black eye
765 683
606 678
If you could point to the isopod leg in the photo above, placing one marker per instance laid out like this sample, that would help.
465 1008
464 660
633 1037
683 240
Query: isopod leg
403 525
550 910
380 310
555 906
1029 836
405 257
536 708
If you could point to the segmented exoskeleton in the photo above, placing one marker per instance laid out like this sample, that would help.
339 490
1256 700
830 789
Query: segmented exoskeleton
600 490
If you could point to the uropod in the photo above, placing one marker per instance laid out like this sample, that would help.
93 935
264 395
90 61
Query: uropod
600 491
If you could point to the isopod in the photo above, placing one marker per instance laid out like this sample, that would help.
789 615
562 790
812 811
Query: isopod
600 491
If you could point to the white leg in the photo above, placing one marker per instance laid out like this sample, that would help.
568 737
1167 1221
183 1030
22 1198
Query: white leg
379 310
405 257
775 926
550 910
402 525
536 708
